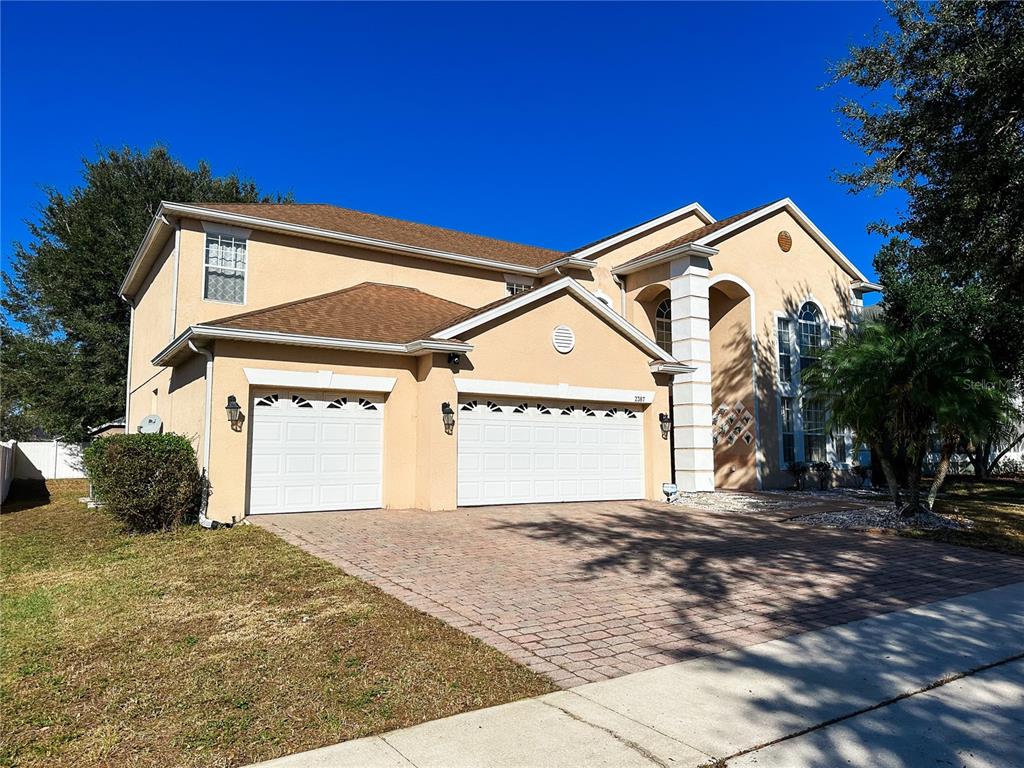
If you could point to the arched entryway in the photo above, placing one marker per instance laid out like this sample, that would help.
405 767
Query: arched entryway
734 405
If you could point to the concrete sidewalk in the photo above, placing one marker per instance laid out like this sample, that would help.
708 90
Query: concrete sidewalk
974 722
691 713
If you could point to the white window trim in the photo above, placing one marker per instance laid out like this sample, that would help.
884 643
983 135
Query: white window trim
223 231
520 281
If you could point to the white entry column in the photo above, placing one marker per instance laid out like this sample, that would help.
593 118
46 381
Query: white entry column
691 394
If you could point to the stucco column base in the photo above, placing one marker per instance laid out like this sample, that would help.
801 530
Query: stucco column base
691 393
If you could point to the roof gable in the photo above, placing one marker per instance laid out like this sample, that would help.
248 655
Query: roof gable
706 238
507 308
591 250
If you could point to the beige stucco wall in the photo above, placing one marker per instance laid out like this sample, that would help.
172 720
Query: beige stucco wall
283 268
521 350
229 450
420 460
781 282
623 252
151 329
732 384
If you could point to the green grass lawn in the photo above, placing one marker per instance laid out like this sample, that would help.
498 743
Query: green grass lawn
995 506
208 648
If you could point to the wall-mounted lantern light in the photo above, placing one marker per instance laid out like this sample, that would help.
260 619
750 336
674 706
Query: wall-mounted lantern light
234 410
666 425
448 417
454 359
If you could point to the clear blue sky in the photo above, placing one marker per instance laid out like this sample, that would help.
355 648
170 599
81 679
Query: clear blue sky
545 124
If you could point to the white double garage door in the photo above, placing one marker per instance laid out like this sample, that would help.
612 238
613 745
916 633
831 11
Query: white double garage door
316 451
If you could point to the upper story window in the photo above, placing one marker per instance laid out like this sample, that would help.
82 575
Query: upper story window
810 334
514 289
224 268
663 325
516 284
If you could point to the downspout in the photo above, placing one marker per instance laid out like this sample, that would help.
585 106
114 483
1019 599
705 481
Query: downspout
204 521
174 290
128 372
622 294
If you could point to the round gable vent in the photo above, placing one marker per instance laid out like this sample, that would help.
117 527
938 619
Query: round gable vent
563 339
785 241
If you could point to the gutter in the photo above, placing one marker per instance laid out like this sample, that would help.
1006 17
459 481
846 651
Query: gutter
865 286
672 368
204 521
686 249
187 338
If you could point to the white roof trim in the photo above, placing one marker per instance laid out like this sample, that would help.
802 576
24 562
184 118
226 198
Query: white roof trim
686 249
552 391
256 222
671 368
866 286
608 242
199 332
788 205
269 377
537 294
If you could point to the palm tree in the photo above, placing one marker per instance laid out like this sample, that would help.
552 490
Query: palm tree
895 387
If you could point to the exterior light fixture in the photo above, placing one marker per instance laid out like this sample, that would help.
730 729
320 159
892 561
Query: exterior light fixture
448 417
234 410
454 358
666 425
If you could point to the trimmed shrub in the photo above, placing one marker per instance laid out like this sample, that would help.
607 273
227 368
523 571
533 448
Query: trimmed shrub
148 482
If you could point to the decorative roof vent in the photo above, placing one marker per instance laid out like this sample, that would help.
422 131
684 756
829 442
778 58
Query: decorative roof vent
785 241
563 339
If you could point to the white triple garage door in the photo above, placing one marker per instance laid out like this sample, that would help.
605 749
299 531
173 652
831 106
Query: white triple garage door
516 453
315 451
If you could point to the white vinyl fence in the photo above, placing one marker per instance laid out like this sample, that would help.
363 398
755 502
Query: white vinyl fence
51 460
7 452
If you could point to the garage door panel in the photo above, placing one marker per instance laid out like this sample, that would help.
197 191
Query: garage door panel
336 433
519 461
266 463
297 431
267 431
322 457
544 435
299 495
516 453
333 463
545 461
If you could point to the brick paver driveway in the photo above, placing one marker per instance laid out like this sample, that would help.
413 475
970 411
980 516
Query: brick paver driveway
584 592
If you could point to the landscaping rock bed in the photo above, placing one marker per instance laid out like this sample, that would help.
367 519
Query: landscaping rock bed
854 509
882 518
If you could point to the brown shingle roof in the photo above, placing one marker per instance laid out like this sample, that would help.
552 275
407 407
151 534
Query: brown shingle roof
347 221
695 235
364 312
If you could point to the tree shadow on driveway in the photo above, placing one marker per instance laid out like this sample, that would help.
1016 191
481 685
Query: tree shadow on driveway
732 580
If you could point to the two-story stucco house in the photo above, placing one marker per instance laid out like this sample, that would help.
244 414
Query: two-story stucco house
382 363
